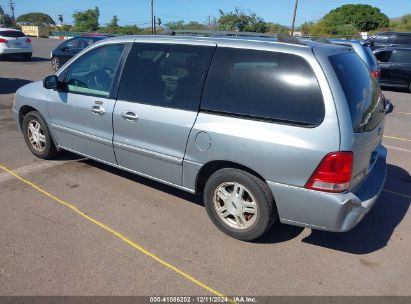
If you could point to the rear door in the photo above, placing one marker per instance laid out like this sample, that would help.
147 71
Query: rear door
366 105
158 101
400 67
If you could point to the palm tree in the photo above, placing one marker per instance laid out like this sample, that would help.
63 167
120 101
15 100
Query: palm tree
60 18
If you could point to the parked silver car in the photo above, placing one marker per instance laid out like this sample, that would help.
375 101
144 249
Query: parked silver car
265 130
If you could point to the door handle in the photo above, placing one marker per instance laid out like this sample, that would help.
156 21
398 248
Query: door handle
98 110
129 116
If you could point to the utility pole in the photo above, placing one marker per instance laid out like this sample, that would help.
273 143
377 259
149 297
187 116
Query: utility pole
155 24
295 14
152 17
11 5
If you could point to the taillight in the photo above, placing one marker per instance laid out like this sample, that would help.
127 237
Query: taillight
333 174
376 73
28 40
2 40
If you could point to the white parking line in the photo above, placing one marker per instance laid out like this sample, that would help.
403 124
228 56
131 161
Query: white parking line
396 148
32 168
397 138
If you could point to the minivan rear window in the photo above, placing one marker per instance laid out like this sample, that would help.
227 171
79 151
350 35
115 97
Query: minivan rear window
263 85
11 34
361 90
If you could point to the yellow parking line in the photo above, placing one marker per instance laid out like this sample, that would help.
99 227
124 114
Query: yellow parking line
397 138
113 232
396 193
402 113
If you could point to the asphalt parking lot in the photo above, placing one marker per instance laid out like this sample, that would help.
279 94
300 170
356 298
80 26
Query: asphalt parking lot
128 235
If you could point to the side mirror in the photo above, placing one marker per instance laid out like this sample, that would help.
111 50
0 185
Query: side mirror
389 107
51 82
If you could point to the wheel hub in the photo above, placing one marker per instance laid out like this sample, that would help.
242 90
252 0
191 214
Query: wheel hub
235 205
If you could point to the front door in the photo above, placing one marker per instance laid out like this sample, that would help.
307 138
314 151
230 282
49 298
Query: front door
81 114
158 102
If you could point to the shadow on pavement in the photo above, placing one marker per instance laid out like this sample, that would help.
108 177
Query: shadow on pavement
196 199
376 229
17 58
371 234
10 85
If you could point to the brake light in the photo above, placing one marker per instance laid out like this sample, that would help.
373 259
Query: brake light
2 40
333 174
376 73
28 40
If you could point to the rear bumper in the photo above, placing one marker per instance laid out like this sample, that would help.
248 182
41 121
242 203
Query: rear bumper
330 211
7 51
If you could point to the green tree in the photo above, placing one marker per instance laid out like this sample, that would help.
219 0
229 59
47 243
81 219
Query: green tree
36 19
241 21
276 28
112 26
181 25
403 25
363 17
87 21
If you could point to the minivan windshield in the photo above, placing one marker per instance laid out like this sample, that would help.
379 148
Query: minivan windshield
364 97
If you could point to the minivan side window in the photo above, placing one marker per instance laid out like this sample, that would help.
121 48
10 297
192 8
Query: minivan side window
263 85
381 39
165 75
93 73
383 56
401 56
402 39
362 92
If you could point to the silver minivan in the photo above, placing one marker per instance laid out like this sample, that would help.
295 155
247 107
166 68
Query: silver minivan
265 130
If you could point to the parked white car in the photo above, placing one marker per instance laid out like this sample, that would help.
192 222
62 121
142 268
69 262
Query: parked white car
14 42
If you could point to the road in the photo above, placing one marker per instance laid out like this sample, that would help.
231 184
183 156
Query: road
133 236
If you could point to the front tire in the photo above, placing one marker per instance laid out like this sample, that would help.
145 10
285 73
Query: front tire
240 204
37 136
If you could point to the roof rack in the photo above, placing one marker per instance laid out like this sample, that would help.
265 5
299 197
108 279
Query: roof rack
281 37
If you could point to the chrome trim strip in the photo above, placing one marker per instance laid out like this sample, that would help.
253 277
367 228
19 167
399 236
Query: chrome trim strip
84 135
149 153
131 171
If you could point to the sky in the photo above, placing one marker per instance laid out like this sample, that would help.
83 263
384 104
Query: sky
137 12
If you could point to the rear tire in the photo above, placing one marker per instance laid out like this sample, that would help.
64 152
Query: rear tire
247 210
55 63
37 136
409 87
27 57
